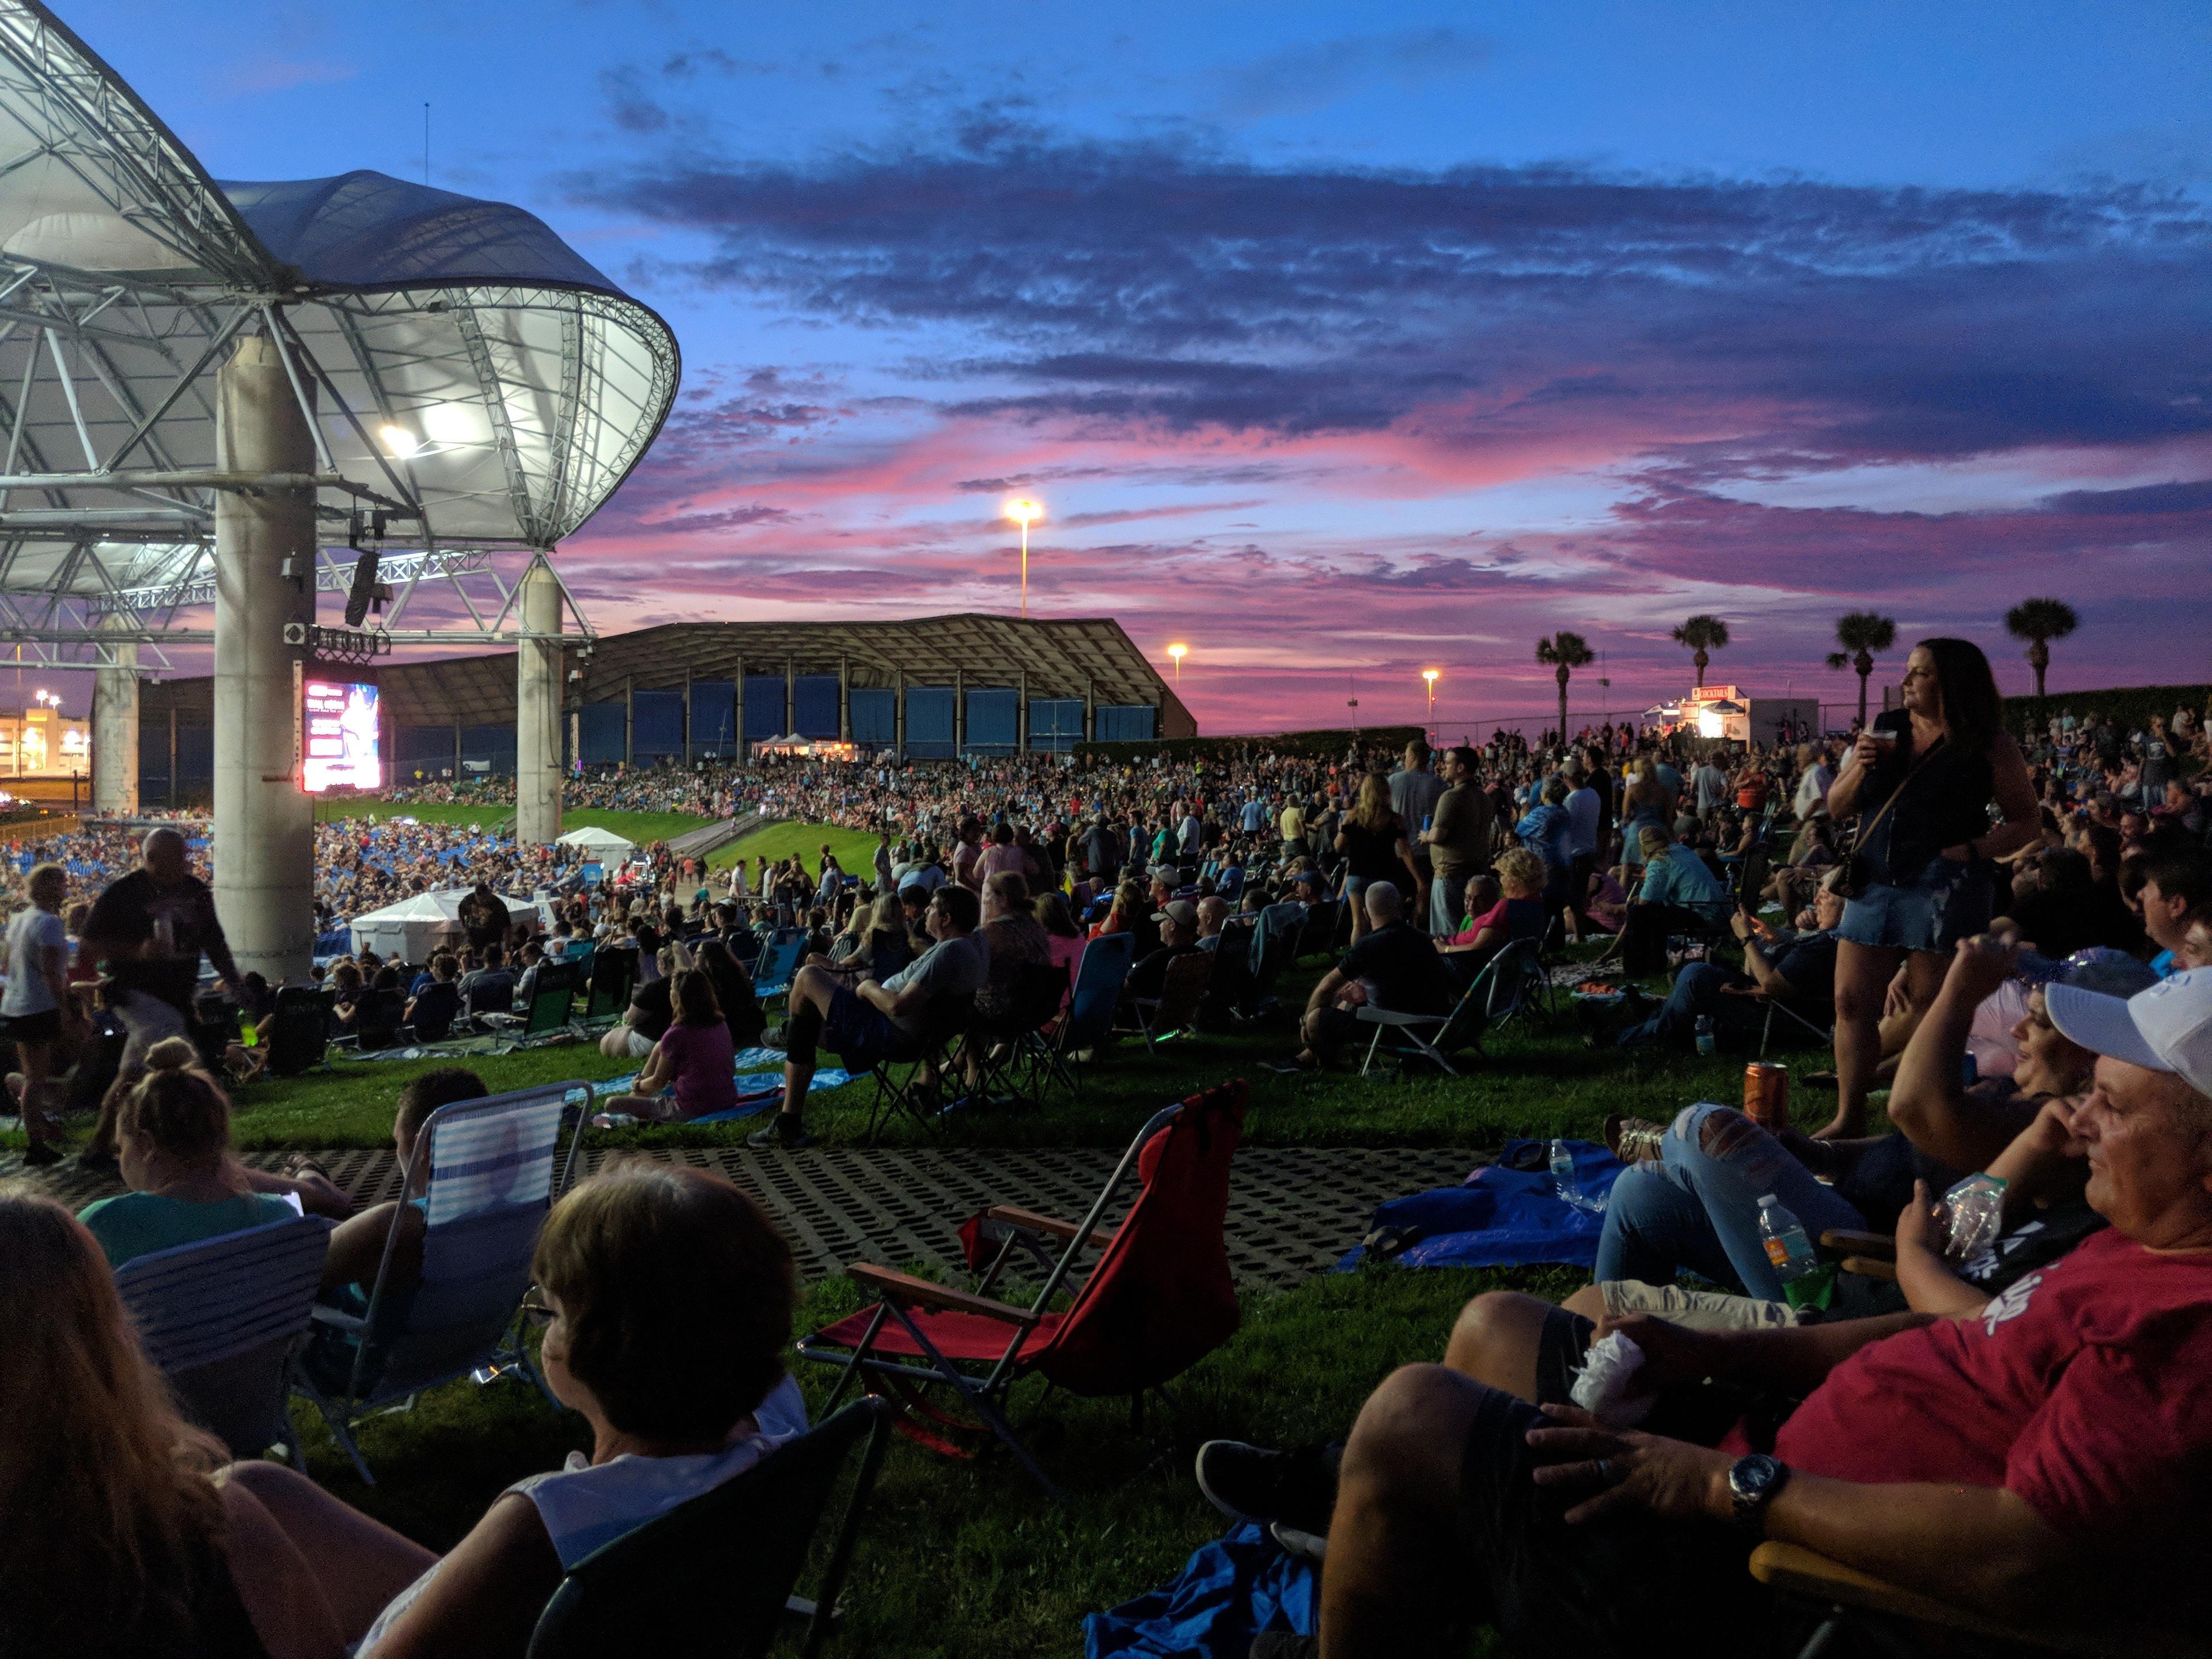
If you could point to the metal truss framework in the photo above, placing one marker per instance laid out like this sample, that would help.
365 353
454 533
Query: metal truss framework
464 375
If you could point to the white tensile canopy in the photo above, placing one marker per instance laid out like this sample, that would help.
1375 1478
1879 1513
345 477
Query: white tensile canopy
603 844
470 374
412 929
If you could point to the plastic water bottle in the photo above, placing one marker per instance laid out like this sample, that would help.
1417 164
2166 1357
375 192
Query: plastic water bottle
1975 1211
1563 1173
1787 1247
613 1120
1706 1040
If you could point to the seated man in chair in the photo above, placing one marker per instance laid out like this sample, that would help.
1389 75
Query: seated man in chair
875 1022
1394 966
1799 969
2039 1462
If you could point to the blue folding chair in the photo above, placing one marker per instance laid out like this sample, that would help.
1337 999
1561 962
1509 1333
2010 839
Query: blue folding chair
1098 980
490 1164
779 964
221 1318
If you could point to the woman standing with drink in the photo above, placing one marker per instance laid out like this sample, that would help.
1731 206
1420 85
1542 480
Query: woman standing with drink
39 1013
1921 876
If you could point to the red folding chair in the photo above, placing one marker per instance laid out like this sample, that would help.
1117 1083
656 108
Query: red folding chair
1156 1301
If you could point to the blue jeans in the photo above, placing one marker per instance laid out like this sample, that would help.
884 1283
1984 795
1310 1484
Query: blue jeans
1691 1209
1698 991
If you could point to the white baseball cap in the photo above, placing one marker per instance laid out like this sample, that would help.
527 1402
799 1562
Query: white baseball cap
2166 1028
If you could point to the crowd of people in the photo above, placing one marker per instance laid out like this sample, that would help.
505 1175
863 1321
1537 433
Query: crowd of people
2012 932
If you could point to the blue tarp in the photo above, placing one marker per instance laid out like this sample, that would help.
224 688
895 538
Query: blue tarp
1503 1218
1229 1592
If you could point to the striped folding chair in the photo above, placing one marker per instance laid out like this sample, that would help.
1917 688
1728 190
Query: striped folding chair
490 1168
221 1318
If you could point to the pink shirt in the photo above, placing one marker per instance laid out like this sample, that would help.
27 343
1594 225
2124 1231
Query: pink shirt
704 1063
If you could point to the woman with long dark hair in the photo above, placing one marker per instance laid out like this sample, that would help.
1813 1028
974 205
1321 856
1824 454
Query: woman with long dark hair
1922 873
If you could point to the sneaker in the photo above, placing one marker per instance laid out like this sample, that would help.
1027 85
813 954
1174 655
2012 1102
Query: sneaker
1251 1483
1295 1540
784 1133
40 1154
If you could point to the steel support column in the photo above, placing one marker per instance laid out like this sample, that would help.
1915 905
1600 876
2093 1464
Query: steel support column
537 709
264 555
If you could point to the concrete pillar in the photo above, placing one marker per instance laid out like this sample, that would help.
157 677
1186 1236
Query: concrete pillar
1022 712
844 700
898 719
264 825
115 727
1090 709
687 720
790 698
959 713
537 709
456 773
173 792
738 712
629 722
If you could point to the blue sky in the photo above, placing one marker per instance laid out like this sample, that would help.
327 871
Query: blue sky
1341 342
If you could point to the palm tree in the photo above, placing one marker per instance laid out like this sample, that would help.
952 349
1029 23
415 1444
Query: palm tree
2039 621
1564 652
1702 633
1862 633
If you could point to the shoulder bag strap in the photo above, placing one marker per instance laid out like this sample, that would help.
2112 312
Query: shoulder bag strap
1867 828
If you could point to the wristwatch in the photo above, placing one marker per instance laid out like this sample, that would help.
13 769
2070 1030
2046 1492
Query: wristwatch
1752 1482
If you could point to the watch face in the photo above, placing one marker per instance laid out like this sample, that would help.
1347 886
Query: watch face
1751 1479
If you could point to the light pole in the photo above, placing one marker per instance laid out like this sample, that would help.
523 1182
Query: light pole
1178 651
1432 676
1021 512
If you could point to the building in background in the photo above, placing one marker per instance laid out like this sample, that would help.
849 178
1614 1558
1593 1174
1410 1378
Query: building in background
933 688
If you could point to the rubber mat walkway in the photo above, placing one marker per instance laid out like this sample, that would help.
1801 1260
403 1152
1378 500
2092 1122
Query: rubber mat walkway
1292 1211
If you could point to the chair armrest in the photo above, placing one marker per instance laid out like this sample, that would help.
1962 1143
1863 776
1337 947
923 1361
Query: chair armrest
1798 1570
904 1288
1867 1267
1881 1245
1052 1226
344 1321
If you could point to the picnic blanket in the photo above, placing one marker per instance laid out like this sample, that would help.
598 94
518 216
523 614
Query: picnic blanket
757 1089
1501 1216
1229 1592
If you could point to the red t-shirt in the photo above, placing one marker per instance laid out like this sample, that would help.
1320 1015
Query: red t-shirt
2085 1388
704 1059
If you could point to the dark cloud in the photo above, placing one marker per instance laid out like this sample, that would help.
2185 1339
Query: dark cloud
2194 496
1146 282
729 518
1316 75
634 109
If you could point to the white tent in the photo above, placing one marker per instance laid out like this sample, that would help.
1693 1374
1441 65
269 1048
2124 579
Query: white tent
603 844
414 927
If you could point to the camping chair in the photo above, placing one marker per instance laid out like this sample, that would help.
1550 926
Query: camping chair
1781 1005
1158 1299
1324 922
434 1014
779 963
552 1002
491 1182
300 1029
714 1575
1505 986
1183 988
378 1016
1016 1074
1274 947
221 1319
1099 976
613 971
1229 986
1874 1607
944 1022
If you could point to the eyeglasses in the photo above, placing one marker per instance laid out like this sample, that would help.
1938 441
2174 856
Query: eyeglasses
537 1311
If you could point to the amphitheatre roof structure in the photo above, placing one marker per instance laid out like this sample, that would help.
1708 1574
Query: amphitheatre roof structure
470 376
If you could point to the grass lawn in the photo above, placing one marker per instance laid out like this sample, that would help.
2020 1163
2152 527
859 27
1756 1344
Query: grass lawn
643 828
971 1558
855 849
1534 1077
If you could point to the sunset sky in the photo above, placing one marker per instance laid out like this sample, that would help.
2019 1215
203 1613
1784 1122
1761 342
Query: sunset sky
1341 341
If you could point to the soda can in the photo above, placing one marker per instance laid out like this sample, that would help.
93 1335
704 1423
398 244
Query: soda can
1767 1095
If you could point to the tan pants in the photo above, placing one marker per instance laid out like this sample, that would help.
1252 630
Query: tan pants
1696 1310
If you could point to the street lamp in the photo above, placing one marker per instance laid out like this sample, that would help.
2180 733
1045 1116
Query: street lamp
1021 512
1432 676
1178 652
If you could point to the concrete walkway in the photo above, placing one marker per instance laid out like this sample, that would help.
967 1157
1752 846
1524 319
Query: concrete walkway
1292 1211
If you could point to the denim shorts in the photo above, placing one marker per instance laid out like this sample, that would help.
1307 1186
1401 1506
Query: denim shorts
1946 901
